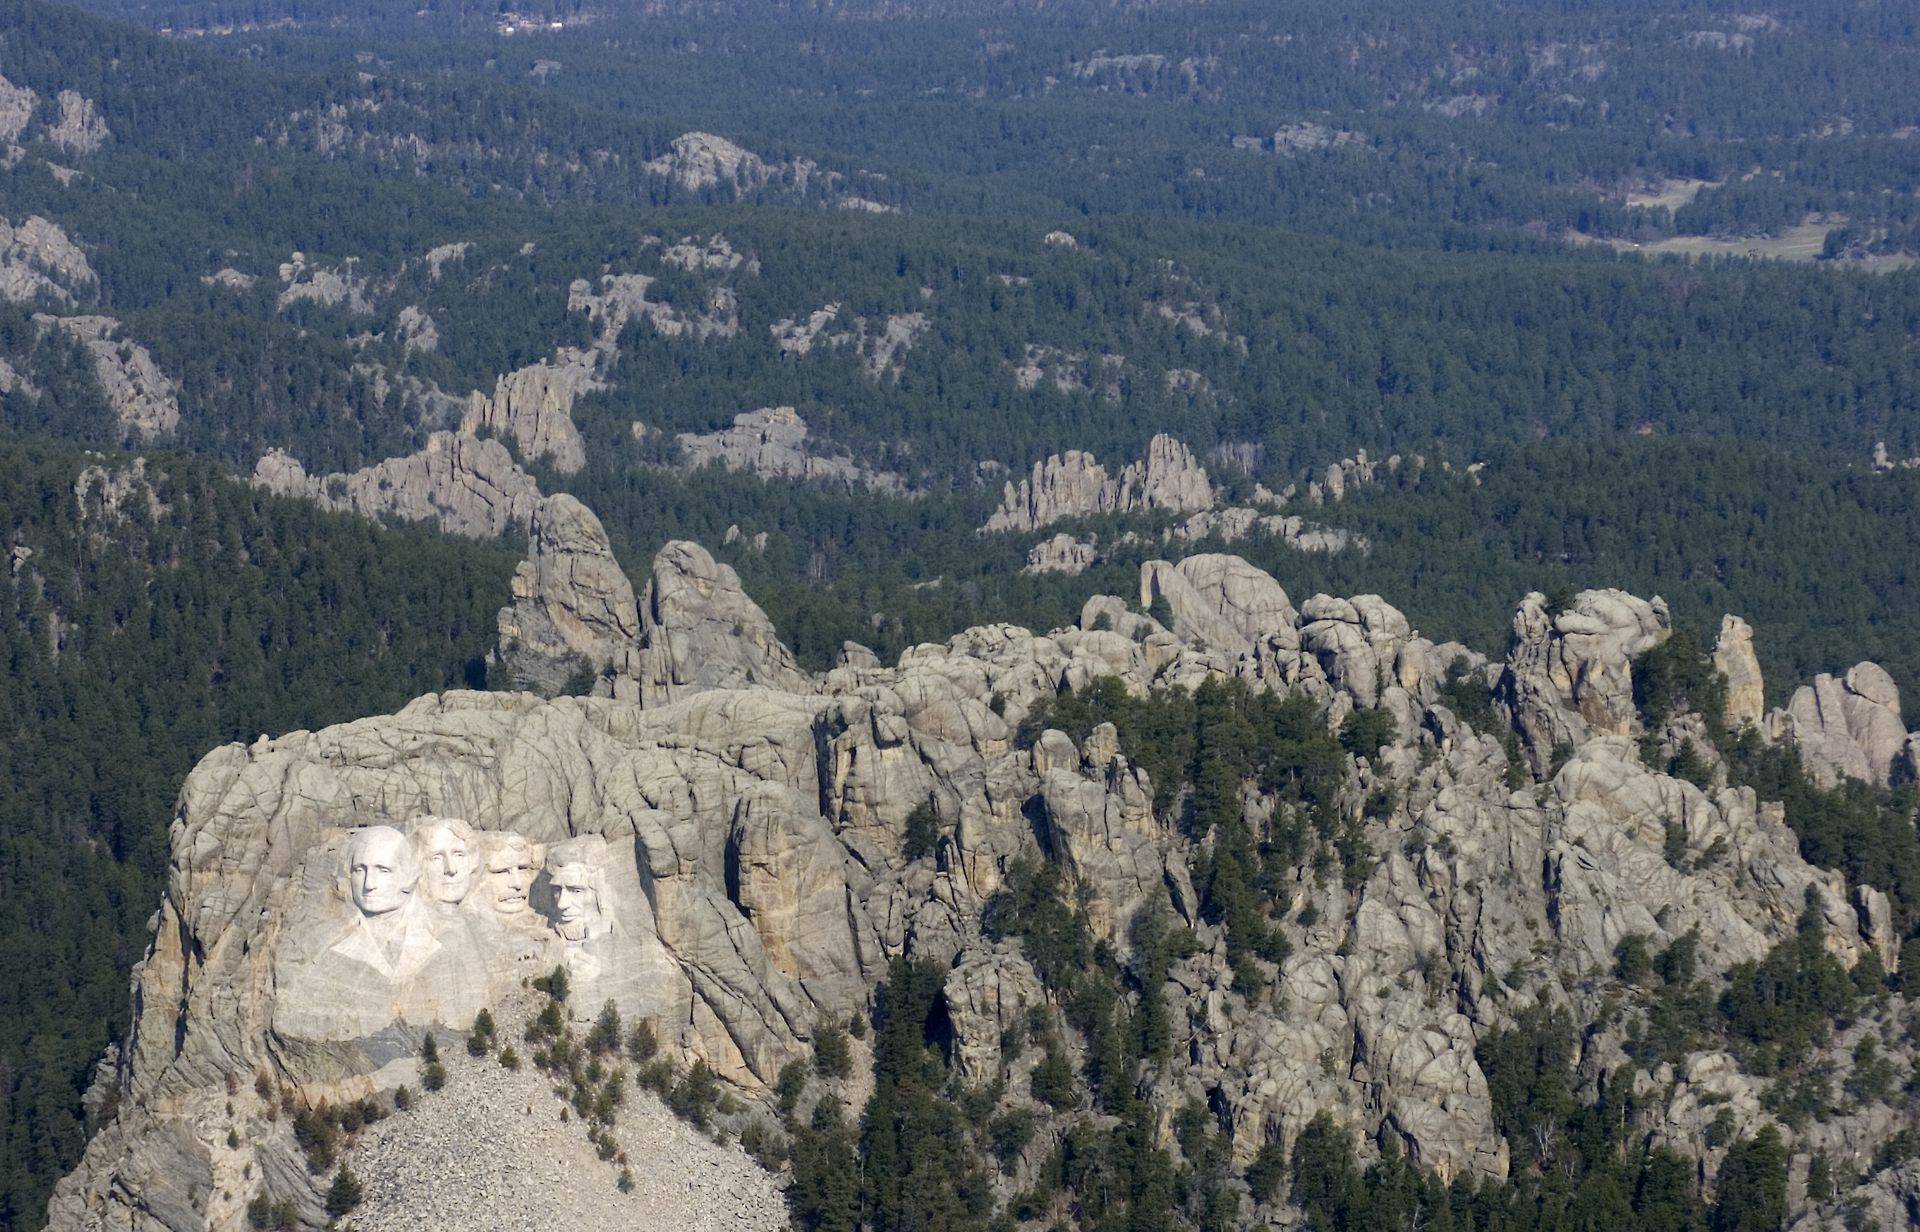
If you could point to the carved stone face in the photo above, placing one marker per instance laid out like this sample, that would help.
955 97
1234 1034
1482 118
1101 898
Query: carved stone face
511 868
449 862
381 869
576 902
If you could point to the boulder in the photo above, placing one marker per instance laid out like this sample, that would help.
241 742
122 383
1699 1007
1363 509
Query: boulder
1845 727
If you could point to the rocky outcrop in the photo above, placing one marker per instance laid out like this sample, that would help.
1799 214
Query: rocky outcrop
462 484
342 286
622 298
533 408
1074 484
573 609
1219 601
38 263
1061 554
79 129
699 631
772 443
1239 522
1846 727
76 126
415 330
1734 659
699 162
1570 672
740 833
144 399
714 254
881 345
17 105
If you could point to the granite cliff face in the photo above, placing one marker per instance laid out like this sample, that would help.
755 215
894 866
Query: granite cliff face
742 827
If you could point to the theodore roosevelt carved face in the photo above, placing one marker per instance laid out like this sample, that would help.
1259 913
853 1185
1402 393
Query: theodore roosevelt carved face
449 858
512 863
381 870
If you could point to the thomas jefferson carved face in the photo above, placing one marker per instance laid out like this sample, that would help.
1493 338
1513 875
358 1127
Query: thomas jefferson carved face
449 857
512 863
381 869
576 901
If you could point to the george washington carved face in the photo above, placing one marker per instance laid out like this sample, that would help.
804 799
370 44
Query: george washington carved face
381 869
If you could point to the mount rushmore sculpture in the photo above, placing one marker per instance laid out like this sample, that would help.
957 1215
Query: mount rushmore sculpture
427 926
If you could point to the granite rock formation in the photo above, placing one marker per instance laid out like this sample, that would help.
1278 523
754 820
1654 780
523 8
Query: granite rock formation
39 263
1074 484
464 485
721 847
772 443
1847 726
573 609
881 344
1570 673
144 399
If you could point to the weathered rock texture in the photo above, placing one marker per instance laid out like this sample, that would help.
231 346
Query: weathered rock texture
1734 658
772 442
340 286
749 824
533 408
464 485
38 263
699 162
144 399
1074 484
1062 554
573 608
17 104
881 345
79 129
1570 673
1846 727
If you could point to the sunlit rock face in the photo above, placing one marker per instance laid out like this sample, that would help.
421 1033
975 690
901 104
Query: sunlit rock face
724 849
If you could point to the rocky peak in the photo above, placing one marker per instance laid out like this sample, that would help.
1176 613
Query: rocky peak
1570 672
699 630
533 408
1074 484
698 161
1846 727
572 606
1734 658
